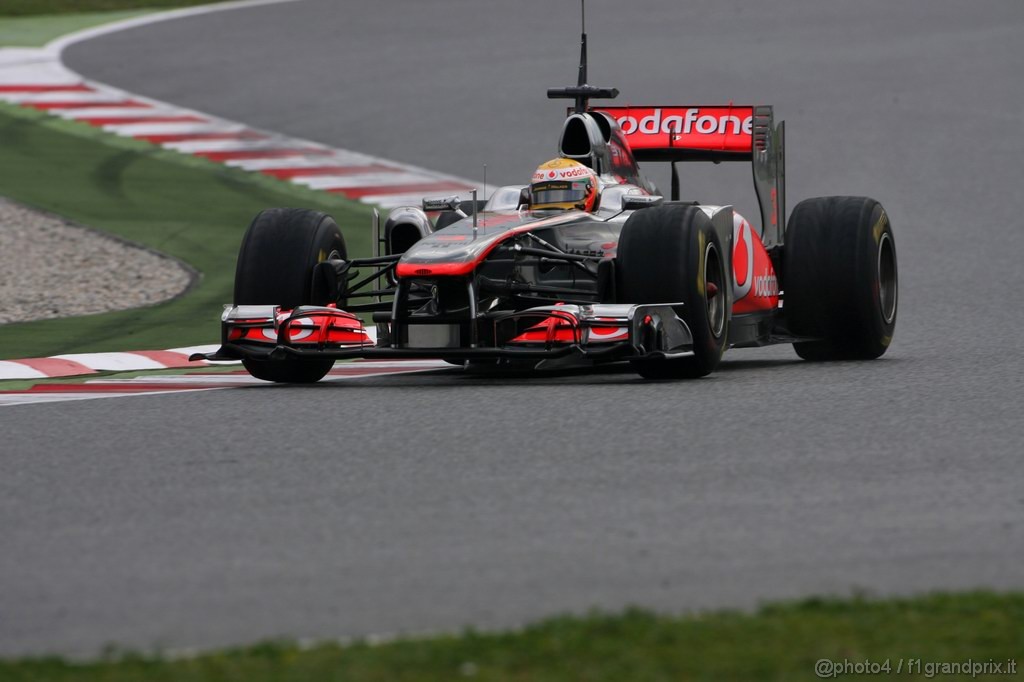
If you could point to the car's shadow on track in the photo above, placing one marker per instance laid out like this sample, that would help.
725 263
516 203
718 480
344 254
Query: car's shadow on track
616 374
758 363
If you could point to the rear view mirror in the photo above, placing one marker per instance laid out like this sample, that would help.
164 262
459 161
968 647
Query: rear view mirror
444 204
632 202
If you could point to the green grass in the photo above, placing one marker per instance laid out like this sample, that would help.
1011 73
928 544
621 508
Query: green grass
36 31
20 8
781 642
189 208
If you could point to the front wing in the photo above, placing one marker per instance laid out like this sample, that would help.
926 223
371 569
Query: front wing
551 336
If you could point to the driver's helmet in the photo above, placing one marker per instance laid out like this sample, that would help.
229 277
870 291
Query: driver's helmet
563 184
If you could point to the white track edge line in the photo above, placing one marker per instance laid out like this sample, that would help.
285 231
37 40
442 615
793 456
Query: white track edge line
57 46
61 43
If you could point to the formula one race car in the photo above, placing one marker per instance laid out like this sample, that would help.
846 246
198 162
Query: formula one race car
588 264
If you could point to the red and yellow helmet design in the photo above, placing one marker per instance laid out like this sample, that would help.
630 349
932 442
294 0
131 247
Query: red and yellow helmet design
563 184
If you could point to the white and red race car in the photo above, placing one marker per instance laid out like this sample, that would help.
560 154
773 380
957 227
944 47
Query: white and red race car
666 285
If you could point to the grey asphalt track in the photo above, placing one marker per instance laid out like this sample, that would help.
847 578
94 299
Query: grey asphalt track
435 501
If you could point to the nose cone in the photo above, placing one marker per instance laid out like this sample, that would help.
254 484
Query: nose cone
459 248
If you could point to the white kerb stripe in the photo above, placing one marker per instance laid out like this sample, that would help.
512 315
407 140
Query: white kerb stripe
197 380
29 398
16 370
115 112
131 129
121 362
25 98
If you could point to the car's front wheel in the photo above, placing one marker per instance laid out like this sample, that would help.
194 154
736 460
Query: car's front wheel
672 254
275 267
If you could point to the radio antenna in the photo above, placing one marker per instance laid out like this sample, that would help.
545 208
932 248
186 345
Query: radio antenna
582 79
582 93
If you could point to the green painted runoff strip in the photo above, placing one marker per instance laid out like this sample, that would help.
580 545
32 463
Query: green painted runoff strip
186 207
927 637
36 31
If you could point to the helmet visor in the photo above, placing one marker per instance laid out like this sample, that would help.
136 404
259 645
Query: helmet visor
552 193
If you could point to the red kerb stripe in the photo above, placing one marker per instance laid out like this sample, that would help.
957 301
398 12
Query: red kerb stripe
126 104
56 367
67 87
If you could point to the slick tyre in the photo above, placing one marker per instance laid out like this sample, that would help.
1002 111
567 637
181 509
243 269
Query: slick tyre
275 266
841 282
672 254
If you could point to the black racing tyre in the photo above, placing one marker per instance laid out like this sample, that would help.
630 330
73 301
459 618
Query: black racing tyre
290 370
840 278
275 267
670 254
278 253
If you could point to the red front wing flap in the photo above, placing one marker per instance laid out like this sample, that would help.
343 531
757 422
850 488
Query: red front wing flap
321 327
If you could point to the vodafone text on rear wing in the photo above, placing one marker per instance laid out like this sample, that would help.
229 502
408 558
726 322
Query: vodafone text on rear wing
713 133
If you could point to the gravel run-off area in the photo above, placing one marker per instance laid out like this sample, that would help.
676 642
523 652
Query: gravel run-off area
50 267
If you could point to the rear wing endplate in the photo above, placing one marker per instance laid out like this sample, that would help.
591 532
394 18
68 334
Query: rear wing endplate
714 133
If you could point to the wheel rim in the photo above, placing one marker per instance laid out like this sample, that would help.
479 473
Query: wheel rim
887 284
714 291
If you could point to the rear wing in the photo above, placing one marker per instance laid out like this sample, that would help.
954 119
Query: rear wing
714 133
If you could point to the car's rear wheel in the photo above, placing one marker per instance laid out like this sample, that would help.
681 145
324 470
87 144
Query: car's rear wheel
672 254
275 267
841 282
